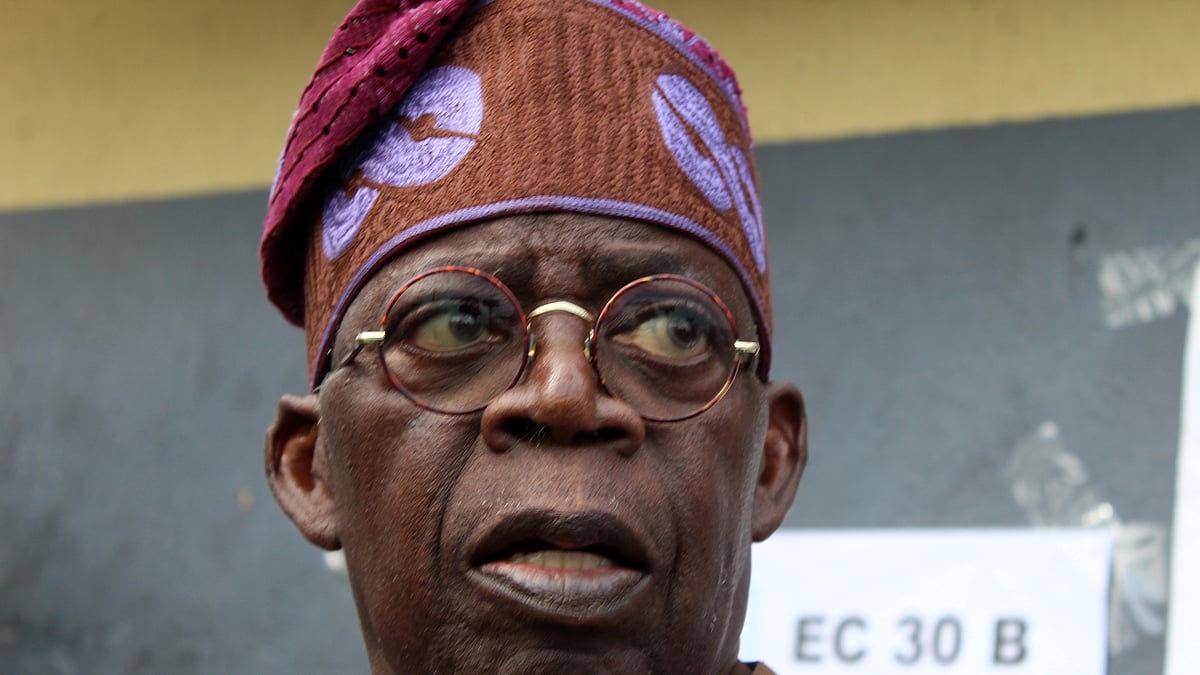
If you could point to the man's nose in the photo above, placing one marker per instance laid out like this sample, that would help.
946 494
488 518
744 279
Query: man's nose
559 398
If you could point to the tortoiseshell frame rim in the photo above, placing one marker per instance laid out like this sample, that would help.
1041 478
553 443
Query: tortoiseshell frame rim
744 349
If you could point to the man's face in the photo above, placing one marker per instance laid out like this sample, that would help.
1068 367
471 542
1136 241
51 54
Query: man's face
556 529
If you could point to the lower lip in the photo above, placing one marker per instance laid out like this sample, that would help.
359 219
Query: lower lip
578 594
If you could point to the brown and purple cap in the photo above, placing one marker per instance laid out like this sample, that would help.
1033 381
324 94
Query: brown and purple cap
424 116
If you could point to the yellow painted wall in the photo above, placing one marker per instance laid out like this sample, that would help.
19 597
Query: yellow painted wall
131 98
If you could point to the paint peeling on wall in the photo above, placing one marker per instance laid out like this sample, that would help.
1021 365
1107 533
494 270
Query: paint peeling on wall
1146 284
1051 486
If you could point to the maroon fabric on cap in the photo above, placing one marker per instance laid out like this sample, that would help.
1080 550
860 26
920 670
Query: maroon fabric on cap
376 54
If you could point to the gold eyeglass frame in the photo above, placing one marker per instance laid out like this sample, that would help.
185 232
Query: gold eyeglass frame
744 350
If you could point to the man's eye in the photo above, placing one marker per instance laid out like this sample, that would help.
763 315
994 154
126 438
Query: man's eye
674 334
449 326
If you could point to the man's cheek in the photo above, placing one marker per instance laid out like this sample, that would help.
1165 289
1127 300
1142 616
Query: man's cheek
392 474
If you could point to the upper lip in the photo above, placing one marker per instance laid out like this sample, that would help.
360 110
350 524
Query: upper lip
595 531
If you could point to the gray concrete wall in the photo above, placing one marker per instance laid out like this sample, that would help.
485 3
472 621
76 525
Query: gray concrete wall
938 297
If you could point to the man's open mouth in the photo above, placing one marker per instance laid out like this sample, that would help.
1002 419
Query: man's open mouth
550 557
571 566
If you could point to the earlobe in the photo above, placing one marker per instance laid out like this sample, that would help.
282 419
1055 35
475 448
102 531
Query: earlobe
785 453
296 470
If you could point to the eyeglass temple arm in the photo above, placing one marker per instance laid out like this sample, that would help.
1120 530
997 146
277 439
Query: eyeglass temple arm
746 347
361 340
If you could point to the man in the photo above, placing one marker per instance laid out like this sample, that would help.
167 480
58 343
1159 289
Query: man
523 237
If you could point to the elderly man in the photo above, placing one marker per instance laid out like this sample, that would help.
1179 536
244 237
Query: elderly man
524 240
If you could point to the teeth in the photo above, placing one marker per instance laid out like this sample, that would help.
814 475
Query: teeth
563 560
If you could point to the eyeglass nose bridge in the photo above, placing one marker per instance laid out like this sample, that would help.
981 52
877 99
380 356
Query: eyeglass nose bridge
560 306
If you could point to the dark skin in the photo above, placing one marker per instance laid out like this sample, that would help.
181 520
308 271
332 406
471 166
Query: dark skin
427 506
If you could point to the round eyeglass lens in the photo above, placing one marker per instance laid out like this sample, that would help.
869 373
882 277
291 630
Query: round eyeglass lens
665 346
454 340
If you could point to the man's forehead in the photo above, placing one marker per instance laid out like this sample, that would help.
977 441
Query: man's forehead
531 252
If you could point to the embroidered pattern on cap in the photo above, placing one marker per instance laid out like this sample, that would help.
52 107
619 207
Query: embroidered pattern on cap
433 130
720 171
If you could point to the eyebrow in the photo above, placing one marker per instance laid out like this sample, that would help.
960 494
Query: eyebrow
633 266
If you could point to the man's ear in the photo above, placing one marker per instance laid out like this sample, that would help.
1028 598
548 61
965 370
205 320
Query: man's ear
296 470
785 452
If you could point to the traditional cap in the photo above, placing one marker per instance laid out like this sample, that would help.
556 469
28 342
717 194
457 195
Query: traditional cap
429 115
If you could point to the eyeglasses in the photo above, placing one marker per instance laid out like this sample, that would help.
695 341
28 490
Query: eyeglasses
454 338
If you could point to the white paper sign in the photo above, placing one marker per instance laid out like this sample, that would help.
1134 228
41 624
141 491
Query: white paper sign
953 602
1183 649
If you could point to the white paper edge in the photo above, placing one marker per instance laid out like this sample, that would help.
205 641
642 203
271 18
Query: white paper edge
1183 625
